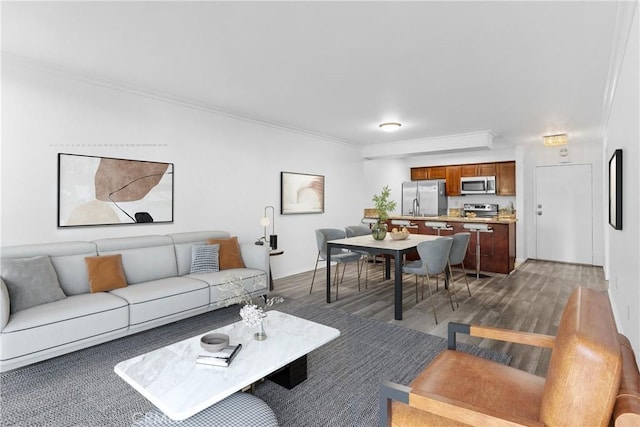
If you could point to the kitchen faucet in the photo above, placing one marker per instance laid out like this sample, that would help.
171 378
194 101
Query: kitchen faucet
416 207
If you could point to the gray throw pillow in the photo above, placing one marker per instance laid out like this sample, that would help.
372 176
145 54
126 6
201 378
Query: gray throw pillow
204 258
31 282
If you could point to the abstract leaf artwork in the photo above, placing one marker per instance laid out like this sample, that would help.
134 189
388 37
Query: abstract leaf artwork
107 191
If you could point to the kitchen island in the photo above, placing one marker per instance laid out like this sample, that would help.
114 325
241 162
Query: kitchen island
497 249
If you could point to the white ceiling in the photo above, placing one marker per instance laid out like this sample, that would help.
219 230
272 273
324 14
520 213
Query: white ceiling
338 69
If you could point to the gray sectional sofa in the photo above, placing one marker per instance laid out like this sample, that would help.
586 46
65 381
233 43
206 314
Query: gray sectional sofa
160 290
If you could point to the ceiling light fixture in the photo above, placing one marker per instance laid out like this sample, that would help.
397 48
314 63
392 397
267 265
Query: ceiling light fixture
553 140
389 126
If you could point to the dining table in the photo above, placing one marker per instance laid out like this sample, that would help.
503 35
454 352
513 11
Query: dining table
388 247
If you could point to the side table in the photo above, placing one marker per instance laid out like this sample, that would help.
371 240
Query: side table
273 252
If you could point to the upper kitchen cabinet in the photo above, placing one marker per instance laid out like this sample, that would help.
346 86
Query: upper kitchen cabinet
433 172
453 180
505 173
505 178
480 169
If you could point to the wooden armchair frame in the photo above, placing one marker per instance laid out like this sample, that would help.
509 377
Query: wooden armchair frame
456 410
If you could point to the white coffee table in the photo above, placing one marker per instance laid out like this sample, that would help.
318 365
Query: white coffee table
170 378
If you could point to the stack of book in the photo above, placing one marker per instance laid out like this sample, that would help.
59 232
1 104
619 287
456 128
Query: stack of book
223 357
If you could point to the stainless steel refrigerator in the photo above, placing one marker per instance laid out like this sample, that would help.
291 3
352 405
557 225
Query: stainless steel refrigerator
424 198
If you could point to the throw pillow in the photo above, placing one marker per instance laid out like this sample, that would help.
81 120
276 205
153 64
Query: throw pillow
31 282
204 258
229 253
105 273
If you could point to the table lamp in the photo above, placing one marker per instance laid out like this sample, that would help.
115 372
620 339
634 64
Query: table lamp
273 238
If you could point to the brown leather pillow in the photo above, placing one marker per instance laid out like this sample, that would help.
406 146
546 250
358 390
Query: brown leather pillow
229 254
105 273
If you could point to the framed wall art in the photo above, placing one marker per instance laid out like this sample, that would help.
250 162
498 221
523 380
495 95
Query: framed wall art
107 191
301 193
615 190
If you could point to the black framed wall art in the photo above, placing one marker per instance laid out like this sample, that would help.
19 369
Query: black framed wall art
108 191
615 190
301 193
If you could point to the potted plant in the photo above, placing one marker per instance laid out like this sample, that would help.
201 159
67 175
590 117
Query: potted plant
383 206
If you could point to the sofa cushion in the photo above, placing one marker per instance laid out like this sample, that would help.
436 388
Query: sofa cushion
67 258
162 298
229 253
144 258
182 243
61 322
30 282
105 273
204 258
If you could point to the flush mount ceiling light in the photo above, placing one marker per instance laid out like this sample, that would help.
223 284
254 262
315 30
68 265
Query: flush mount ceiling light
553 140
389 126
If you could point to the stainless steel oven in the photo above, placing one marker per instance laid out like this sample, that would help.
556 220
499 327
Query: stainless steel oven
478 185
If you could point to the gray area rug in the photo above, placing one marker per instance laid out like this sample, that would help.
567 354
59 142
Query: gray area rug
81 389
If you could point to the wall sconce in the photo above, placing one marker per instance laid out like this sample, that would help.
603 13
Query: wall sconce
273 239
553 140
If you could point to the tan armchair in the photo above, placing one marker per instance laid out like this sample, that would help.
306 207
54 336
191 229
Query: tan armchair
592 369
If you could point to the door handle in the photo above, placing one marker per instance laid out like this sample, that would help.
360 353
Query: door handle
539 212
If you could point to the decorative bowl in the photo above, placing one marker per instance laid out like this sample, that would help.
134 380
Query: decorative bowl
214 342
399 235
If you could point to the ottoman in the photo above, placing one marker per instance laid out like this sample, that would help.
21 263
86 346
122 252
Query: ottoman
238 410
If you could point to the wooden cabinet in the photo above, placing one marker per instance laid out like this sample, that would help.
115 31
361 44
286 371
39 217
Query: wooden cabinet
486 169
479 169
497 249
506 178
418 174
468 170
453 174
437 172
433 172
505 173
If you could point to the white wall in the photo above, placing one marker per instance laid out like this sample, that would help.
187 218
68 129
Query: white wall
226 170
623 247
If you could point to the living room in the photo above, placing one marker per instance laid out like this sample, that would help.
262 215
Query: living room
228 160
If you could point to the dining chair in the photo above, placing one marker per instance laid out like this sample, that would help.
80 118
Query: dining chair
340 256
367 256
457 254
434 259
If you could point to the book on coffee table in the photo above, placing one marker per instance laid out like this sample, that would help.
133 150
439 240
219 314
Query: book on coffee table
221 358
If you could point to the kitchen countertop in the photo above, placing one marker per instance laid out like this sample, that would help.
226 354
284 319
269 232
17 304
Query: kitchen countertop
446 218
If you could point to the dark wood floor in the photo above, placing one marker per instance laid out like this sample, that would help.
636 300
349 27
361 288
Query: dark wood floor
530 299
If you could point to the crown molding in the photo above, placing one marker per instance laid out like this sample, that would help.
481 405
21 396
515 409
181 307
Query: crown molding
626 13
482 140
45 67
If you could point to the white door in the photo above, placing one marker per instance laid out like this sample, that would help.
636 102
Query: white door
564 217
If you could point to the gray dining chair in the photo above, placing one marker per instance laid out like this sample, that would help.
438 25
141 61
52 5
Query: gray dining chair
367 256
434 259
339 256
457 254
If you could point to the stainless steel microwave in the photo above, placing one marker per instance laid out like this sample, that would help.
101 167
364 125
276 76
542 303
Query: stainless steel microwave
478 185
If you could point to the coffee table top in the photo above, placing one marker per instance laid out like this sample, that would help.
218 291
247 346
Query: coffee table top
170 378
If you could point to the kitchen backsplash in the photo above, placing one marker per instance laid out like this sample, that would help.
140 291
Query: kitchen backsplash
459 201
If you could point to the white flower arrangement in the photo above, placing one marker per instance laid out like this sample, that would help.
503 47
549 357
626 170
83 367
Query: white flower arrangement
252 315
233 292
